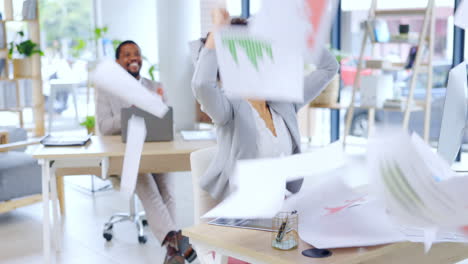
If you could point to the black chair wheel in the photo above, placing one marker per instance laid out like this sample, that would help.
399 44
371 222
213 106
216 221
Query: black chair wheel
107 236
144 222
142 239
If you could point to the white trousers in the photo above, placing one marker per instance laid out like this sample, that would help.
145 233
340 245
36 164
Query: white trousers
156 193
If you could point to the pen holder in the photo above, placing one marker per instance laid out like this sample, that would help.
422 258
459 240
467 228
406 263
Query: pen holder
284 235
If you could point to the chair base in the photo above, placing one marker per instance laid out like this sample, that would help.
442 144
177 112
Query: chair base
138 218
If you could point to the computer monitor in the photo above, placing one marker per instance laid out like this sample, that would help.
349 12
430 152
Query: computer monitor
454 115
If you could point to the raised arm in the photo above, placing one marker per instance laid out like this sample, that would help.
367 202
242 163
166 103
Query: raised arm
315 82
108 122
205 84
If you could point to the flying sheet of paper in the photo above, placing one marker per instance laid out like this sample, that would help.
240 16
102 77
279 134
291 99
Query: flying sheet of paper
133 149
253 198
461 16
297 24
416 186
112 78
206 7
335 215
248 64
320 14
261 196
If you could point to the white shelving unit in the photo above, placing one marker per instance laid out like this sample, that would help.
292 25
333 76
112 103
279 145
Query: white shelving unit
33 28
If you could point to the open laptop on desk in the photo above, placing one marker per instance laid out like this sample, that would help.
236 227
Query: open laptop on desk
157 129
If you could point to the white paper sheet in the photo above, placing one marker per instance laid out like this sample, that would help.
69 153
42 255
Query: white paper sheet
135 140
112 78
259 185
261 196
256 68
461 16
206 8
195 135
297 24
332 215
417 187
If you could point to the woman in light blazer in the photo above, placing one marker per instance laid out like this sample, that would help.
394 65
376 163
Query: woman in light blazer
248 129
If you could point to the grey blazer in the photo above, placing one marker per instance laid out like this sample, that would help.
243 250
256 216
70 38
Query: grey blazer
108 109
236 128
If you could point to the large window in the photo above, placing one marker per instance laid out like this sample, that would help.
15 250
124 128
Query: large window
67 34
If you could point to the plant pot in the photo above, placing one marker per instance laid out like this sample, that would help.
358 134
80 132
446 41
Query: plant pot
91 130
22 68
329 96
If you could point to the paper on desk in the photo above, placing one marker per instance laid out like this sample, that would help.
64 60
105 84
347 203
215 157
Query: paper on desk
112 78
333 215
248 62
259 185
135 140
461 16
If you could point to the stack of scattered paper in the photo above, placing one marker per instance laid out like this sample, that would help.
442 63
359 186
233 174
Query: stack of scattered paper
418 187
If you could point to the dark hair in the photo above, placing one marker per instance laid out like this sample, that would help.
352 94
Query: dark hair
239 21
117 51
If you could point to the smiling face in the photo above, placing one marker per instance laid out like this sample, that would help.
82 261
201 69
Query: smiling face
130 59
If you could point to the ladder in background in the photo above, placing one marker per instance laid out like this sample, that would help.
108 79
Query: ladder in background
425 46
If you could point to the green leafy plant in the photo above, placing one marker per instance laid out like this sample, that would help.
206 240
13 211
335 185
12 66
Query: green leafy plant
27 48
81 44
99 33
152 68
89 123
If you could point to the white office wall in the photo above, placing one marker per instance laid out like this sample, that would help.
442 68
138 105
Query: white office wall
134 20
178 23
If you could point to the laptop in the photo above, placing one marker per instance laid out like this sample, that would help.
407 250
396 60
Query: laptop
157 129
65 141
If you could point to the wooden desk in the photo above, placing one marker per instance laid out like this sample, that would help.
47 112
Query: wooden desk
103 156
254 247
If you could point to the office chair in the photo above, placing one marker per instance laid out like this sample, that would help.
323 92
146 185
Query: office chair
199 162
203 202
132 216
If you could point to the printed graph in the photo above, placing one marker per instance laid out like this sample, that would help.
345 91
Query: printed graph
255 50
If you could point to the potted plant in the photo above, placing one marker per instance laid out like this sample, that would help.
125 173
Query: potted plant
89 123
21 53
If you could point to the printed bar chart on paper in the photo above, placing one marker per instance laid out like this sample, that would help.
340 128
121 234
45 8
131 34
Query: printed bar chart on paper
252 67
255 49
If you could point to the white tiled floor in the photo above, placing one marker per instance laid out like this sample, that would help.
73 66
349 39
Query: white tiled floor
21 230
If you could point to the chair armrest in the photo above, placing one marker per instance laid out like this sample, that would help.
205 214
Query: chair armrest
20 144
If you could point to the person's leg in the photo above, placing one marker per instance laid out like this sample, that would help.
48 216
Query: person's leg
157 214
166 189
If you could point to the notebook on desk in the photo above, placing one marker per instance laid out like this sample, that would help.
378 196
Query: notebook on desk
63 141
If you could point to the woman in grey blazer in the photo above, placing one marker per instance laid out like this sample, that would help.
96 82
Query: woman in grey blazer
242 124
